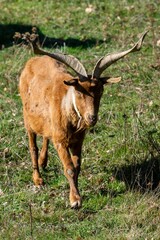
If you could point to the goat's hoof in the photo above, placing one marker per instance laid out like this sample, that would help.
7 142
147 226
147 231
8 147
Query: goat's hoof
77 204
38 182
75 200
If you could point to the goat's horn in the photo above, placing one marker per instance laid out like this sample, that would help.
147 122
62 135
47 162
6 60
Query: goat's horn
68 60
109 59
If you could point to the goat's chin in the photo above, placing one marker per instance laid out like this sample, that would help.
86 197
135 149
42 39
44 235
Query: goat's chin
90 124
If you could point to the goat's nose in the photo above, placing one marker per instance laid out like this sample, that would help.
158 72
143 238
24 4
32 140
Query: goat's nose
92 118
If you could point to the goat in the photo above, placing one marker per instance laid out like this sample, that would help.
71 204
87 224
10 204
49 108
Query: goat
61 107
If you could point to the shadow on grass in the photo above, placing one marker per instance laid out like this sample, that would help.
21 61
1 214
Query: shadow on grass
7 32
143 176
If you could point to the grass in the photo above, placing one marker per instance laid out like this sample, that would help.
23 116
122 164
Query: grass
120 175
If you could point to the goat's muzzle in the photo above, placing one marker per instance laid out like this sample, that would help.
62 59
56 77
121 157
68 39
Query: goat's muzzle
91 120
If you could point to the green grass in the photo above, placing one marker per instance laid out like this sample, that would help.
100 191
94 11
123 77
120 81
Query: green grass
120 176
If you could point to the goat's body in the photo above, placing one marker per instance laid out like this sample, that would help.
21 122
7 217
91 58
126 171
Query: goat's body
48 111
60 107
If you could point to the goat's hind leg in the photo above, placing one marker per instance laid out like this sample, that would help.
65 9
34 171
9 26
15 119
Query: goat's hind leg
34 156
43 157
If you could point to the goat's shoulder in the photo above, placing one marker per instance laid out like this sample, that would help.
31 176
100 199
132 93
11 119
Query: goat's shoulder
44 64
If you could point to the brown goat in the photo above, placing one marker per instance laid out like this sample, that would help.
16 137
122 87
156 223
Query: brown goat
60 107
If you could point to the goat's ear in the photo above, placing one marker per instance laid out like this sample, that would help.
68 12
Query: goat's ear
108 80
71 82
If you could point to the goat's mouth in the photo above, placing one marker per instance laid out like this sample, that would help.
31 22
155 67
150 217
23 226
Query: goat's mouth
91 121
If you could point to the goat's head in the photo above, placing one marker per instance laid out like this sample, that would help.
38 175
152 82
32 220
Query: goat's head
88 89
86 96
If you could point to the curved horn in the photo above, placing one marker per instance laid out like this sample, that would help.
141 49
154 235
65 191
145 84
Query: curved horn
109 59
68 60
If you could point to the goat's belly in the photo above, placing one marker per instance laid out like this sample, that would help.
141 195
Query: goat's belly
41 127
38 124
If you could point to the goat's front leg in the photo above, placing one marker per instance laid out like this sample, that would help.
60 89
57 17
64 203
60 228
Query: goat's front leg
34 156
70 173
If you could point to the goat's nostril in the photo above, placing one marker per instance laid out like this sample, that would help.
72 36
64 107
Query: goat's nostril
92 118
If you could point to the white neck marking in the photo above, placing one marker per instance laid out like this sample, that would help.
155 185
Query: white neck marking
75 108
69 101
74 104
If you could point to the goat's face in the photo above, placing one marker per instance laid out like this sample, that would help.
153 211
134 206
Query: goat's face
86 97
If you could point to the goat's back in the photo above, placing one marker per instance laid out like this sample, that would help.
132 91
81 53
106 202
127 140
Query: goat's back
42 89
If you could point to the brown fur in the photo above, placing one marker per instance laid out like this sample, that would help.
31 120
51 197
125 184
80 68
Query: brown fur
48 93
